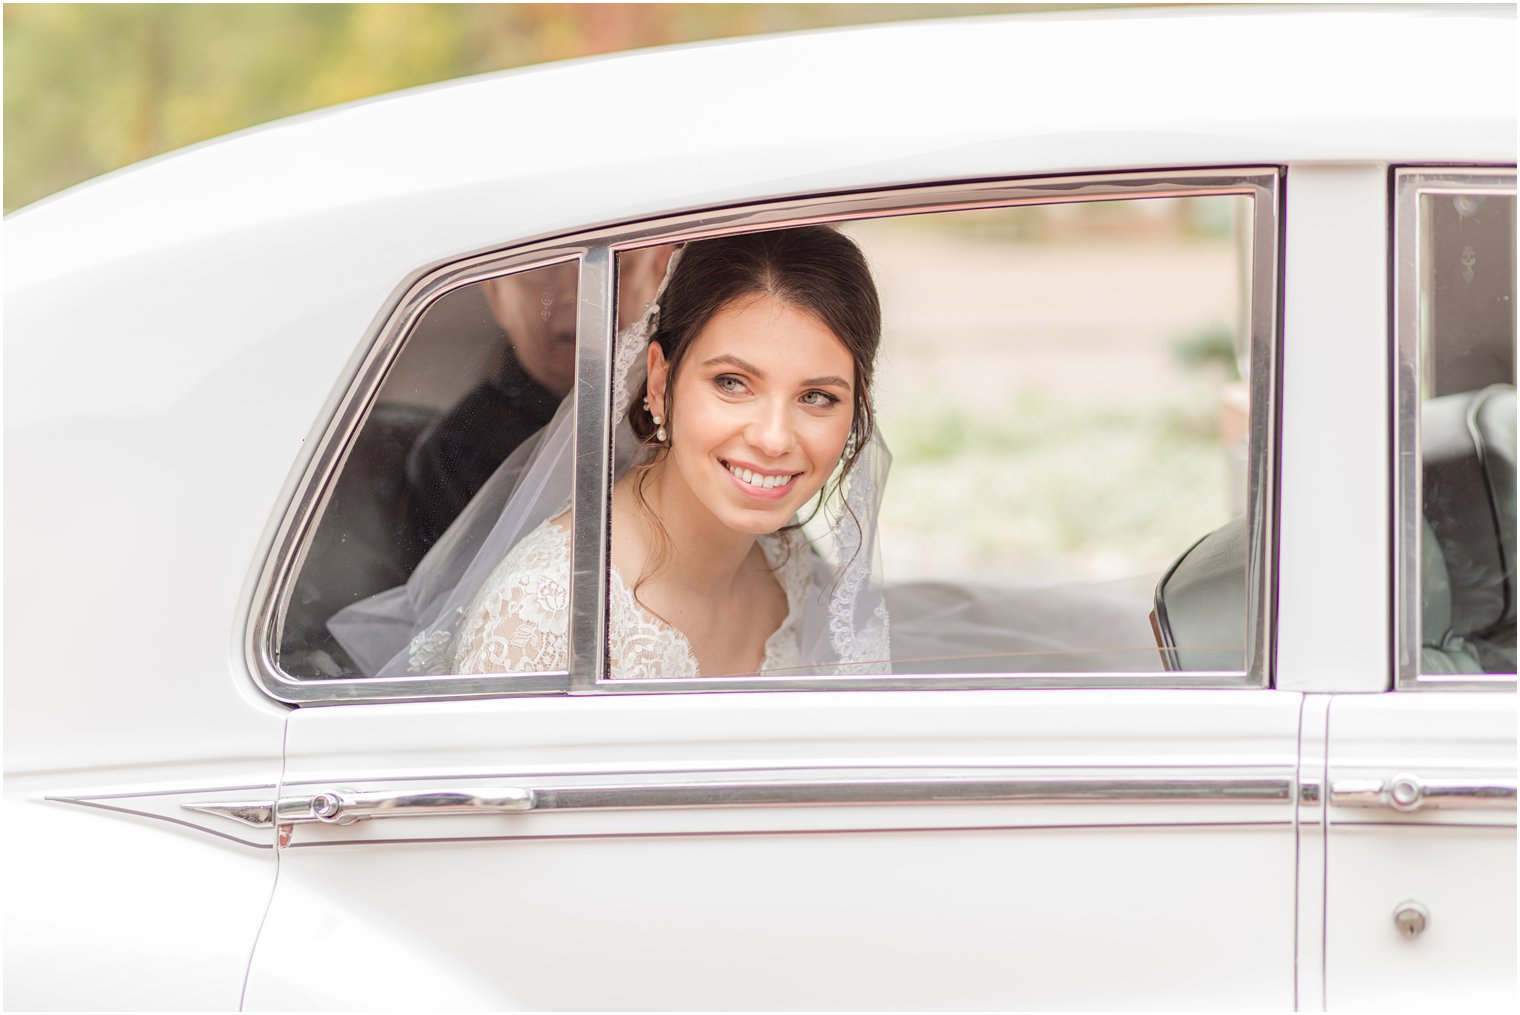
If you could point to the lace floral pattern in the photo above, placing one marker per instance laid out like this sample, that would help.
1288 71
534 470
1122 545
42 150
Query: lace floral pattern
520 619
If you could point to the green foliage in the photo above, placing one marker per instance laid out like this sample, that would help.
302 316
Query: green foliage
93 87
1213 345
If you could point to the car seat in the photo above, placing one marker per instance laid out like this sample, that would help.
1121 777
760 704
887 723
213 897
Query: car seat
1468 554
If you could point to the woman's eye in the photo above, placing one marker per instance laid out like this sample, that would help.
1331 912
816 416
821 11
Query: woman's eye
729 384
819 399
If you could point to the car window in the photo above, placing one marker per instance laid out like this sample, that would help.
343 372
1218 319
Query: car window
1073 391
1456 322
484 369
1064 391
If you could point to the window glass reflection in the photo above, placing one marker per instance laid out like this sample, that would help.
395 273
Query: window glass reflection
1466 328
485 370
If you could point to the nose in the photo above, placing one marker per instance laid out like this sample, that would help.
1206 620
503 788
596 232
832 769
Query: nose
770 431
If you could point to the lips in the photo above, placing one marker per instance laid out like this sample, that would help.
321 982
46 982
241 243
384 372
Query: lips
760 484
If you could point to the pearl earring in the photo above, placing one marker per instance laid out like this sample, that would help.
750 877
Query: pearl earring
659 433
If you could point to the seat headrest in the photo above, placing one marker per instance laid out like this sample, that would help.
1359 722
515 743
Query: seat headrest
1200 604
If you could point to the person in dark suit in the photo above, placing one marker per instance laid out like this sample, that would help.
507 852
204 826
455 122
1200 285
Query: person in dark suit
454 456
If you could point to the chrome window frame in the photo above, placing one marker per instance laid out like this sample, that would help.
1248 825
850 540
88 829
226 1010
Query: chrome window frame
394 328
1407 185
597 250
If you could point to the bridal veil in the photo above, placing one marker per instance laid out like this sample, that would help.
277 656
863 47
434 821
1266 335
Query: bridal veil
413 629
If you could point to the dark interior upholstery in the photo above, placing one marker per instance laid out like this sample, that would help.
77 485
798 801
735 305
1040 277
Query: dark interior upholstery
365 543
1200 605
1468 562
1468 458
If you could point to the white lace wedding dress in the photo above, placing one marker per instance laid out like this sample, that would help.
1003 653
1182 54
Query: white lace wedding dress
519 621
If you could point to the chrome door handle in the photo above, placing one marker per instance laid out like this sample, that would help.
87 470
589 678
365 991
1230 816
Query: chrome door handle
1407 793
344 807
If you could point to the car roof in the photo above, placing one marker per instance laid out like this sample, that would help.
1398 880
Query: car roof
588 142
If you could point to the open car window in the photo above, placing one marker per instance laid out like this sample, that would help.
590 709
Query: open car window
1064 390
1075 489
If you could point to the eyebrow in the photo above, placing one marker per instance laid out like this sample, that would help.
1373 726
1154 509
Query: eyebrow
829 381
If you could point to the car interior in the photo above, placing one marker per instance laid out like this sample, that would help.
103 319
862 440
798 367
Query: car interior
1468 575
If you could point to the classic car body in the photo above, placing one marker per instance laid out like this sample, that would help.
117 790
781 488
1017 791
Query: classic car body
193 344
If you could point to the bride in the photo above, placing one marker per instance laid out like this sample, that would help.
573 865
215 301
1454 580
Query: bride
743 405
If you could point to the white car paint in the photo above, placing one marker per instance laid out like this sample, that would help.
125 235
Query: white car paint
177 332
970 905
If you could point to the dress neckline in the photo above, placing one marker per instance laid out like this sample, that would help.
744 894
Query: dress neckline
772 545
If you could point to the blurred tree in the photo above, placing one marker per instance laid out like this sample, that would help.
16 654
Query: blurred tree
93 87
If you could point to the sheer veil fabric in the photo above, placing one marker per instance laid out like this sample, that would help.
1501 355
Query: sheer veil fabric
414 629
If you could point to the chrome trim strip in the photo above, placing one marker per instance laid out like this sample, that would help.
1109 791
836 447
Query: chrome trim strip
392 329
254 813
825 788
941 682
1261 443
1408 794
1017 790
595 326
1371 822
1356 793
1408 185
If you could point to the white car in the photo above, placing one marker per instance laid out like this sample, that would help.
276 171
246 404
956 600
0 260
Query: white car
1237 728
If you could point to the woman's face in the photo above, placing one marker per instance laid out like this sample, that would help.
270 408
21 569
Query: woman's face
760 411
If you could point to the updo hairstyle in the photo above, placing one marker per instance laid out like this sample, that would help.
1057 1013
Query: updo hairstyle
813 269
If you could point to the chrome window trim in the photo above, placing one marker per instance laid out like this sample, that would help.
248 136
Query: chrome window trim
1263 185
1408 184
591 545
597 250
392 330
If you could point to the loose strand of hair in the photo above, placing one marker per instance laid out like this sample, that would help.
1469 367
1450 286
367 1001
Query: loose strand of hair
663 548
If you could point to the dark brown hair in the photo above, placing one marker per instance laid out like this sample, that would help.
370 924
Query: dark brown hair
814 269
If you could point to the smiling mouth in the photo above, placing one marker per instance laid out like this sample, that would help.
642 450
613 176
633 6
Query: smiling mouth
759 480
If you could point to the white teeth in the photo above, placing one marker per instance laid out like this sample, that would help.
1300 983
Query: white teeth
758 480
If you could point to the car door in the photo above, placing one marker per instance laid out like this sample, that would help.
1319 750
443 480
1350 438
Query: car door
1420 856
982 829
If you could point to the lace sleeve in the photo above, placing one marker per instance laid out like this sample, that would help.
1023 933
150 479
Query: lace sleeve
519 621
